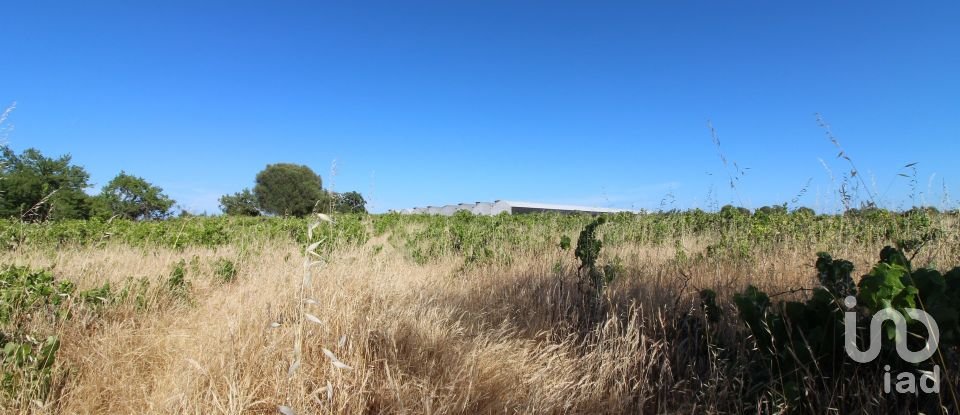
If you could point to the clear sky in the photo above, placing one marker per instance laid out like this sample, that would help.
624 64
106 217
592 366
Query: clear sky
419 103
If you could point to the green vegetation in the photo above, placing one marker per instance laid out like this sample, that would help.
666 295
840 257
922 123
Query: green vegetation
571 278
588 251
735 233
349 202
35 187
27 362
286 189
132 197
173 233
800 345
225 270
177 281
485 239
290 190
242 203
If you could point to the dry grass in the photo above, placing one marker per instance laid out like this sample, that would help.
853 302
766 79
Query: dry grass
419 339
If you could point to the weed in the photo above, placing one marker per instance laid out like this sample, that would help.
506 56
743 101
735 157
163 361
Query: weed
225 270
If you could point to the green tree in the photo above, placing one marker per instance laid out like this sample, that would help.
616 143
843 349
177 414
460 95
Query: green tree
35 187
242 203
868 210
350 202
772 210
804 211
730 211
288 189
133 197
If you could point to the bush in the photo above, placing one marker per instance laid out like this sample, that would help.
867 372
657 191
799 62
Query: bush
225 270
797 340
26 363
177 281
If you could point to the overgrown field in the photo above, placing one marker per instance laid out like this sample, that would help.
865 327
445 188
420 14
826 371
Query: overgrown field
678 312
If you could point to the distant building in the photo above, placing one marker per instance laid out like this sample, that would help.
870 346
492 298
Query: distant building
448 210
510 208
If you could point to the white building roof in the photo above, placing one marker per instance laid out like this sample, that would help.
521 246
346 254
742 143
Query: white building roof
509 206
548 206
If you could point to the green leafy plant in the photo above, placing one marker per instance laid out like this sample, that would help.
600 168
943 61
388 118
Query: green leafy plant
225 270
613 270
177 281
137 289
97 296
24 291
593 279
26 362
588 251
801 344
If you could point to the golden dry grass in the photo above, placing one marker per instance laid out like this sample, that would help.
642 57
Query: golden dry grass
420 339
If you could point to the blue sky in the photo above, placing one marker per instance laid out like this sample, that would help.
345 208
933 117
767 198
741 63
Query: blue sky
419 103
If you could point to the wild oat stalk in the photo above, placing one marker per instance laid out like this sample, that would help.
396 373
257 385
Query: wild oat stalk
34 211
737 172
309 263
801 194
5 129
854 171
333 185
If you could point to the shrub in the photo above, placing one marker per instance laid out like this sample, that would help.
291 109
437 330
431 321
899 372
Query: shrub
225 270
177 281
801 344
26 363
24 291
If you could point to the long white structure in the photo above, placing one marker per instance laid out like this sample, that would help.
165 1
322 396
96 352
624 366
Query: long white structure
510 208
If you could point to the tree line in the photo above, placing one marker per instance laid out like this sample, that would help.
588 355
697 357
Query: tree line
35 188
286 189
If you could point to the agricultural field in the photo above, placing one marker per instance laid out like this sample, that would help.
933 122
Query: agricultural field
670 312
